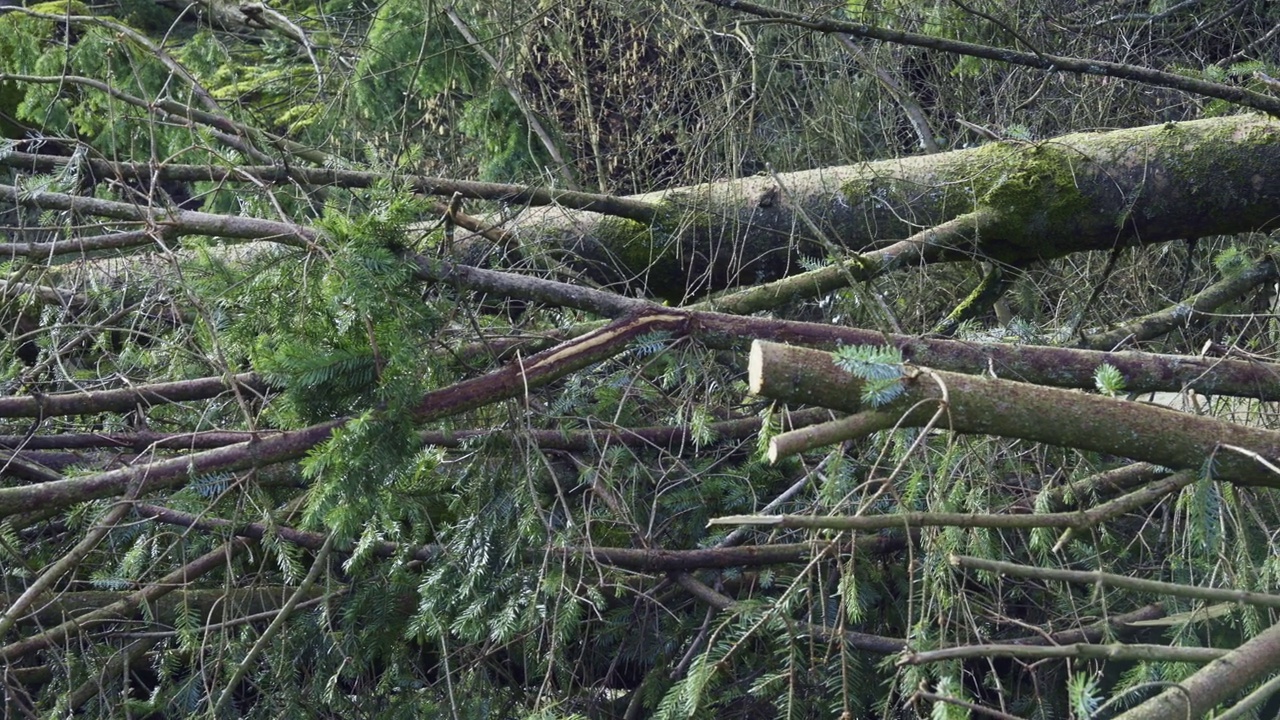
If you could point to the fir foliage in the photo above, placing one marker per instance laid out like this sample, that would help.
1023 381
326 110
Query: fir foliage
880 367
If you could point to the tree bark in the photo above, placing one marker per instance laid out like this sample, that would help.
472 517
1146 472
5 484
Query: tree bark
1041 200
1216 682
1084 191
207 604
989 406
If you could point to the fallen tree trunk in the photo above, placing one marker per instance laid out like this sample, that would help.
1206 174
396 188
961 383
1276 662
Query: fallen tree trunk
1010 201
1037 200
988 406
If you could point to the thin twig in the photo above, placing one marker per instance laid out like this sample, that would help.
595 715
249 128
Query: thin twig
321 561
562 167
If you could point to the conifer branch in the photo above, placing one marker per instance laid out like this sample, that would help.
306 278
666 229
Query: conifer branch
860 641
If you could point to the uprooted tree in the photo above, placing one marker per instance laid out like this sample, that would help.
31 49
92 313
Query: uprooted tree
748 375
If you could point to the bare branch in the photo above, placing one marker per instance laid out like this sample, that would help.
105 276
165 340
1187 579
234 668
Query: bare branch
182 222
1193 308
1149 653
1227 595
637 210
508 382
178 578
128 399
1047 62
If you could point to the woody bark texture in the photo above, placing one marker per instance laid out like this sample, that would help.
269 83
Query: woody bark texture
1045 199
988 406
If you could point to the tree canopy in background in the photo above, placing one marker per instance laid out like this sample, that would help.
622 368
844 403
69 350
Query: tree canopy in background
693 358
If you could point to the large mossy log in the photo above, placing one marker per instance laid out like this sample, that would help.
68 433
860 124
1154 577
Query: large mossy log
1046 199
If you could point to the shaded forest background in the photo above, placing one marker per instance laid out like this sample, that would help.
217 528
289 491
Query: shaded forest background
308 408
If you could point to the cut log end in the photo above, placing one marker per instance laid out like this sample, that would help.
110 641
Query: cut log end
755 370
773 452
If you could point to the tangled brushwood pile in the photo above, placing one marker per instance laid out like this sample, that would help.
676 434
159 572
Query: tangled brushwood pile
672 359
